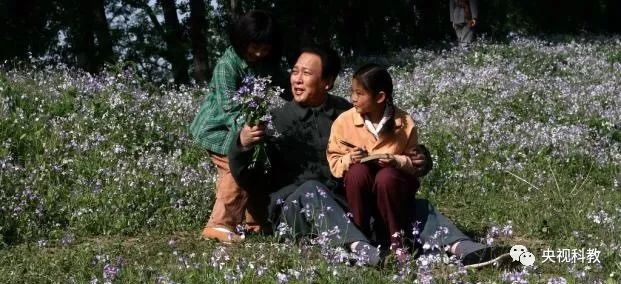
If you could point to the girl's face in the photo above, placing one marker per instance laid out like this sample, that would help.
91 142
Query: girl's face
257 52
364 101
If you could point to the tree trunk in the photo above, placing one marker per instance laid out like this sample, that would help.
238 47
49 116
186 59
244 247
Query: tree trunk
199 42
303 22
375 27
407 17
102 31
351 27
431 21
90 35
613 8
174 42
235 9
83 37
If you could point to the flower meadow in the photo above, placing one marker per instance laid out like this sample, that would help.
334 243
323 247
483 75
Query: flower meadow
101 183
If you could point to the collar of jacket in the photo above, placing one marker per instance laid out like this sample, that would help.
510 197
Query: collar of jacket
232 55
359 120
305 112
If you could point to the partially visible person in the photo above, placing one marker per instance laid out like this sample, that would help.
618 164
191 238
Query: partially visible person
464 17
382 189
254 50
300 192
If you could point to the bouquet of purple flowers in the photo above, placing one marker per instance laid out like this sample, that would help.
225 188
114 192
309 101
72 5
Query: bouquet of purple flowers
257 98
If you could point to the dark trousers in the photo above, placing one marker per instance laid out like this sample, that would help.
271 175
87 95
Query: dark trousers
465 34
294 205
386 195
434 228
311 209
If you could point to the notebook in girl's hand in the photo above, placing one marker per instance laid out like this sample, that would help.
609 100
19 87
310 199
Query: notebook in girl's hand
374 157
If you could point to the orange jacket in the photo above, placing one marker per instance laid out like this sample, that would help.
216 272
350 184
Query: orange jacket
349 127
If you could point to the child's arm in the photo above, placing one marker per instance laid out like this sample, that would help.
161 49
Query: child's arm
225 83
403 161
339 155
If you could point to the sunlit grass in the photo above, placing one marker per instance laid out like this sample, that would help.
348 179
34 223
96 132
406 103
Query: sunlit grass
99 179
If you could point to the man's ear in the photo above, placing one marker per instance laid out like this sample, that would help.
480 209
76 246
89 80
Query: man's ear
381 97
329 83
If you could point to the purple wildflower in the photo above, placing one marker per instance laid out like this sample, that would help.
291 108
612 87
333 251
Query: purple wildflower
496 232
516 277
281 278
557 280
67 239
110 272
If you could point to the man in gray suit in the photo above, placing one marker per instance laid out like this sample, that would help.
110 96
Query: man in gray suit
464 16
300 193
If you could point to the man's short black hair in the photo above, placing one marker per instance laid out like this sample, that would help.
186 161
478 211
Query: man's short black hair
330 61
257 26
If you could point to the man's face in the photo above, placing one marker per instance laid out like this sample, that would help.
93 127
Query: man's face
307 86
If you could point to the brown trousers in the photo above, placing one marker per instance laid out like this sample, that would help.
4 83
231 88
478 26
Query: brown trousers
387 196
232 202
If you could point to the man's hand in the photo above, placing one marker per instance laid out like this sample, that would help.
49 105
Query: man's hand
357 154
472 23
251 135
419 160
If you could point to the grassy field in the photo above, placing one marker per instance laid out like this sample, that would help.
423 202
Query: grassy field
99 181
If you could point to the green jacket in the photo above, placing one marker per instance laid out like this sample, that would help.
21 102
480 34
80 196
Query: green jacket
218 122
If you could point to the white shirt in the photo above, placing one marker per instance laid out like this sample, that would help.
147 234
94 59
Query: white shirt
376 130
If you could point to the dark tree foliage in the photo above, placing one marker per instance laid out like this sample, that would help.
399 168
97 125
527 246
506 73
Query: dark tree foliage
151 35
88 33
198 23
27 29
175 41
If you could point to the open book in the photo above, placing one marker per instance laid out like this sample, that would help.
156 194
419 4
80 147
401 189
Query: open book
374 157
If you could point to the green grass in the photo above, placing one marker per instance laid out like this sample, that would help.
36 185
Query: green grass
147 258
104 173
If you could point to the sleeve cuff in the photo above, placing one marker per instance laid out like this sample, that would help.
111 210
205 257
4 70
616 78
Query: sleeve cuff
345 162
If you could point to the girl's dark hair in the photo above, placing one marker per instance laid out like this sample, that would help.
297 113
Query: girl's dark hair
375 78
257 26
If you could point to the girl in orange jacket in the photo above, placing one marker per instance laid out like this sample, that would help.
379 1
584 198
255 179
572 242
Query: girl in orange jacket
368 147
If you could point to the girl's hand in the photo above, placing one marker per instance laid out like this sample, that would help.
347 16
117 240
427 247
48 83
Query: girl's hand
357 154
388 162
